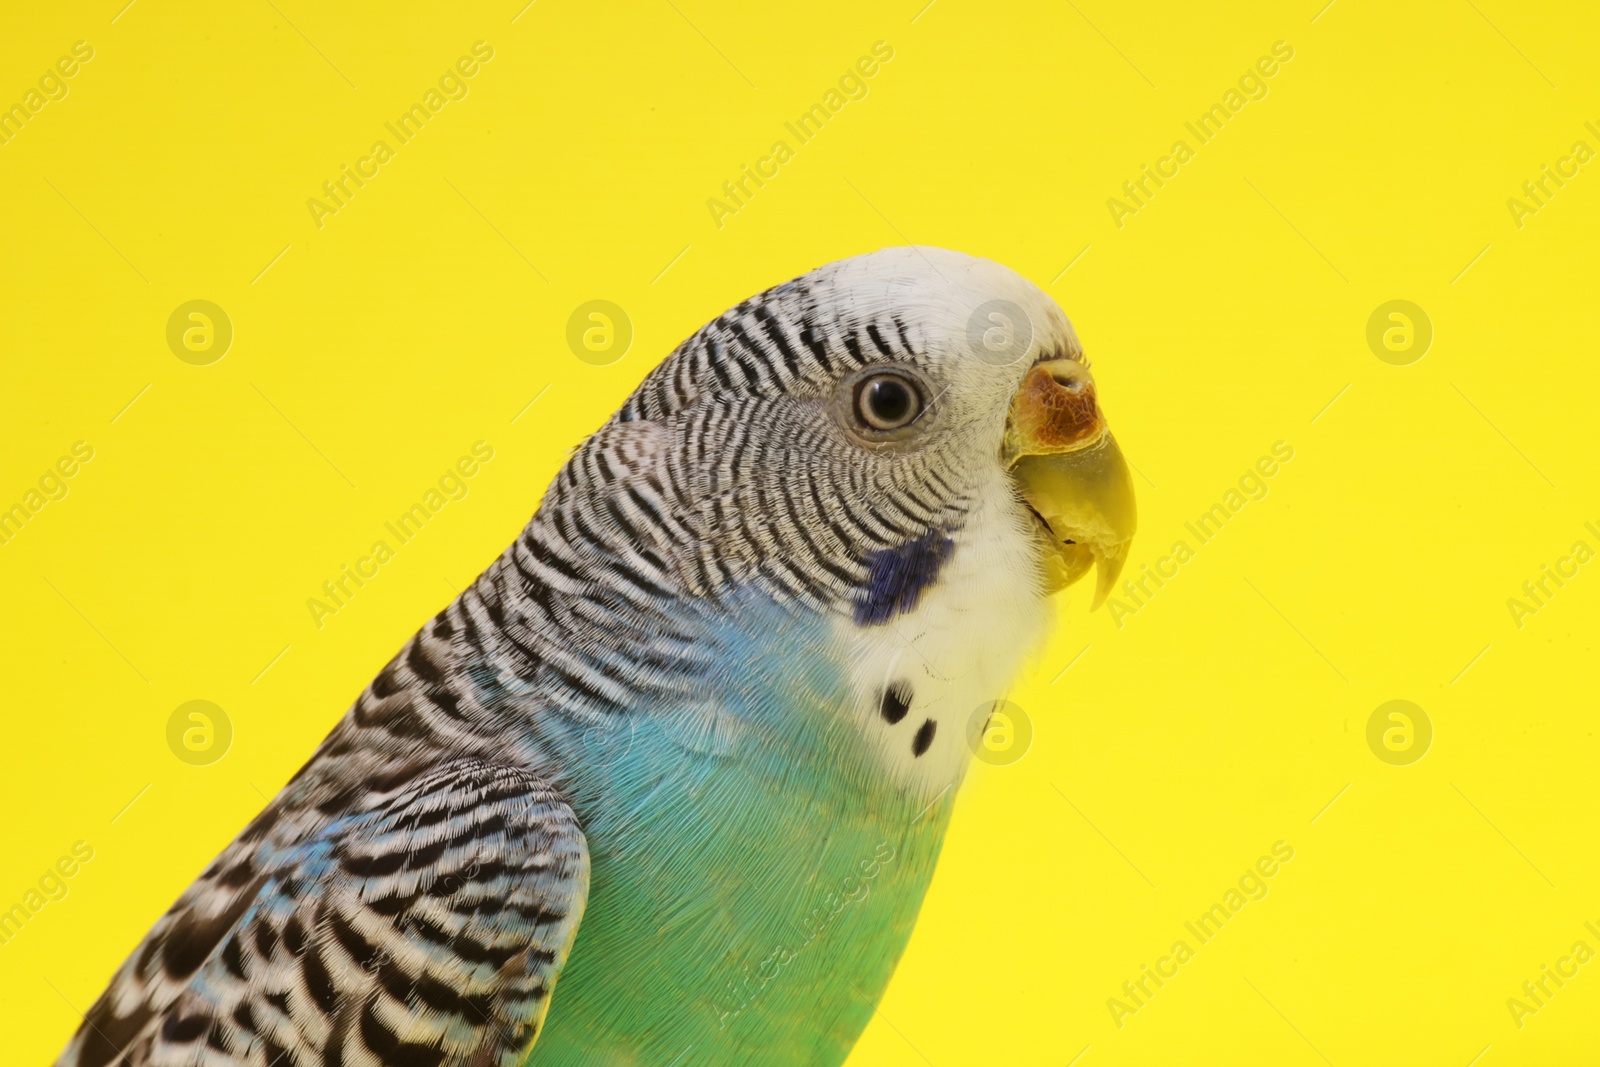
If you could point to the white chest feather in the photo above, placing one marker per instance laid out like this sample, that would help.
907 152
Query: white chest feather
920 677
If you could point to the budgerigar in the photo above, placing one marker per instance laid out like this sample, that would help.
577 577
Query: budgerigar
666 785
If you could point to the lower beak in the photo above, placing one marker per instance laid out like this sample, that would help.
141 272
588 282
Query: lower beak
1068 469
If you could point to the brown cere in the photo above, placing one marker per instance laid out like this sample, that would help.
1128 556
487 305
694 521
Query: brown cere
1055 408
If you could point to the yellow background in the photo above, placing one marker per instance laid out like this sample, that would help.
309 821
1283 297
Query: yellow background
1225 316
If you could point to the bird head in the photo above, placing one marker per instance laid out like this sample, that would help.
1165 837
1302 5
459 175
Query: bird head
839 432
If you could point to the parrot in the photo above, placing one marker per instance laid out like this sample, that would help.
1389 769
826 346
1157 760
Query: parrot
667 784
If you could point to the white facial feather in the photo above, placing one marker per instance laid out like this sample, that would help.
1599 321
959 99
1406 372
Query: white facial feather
971 632
956 653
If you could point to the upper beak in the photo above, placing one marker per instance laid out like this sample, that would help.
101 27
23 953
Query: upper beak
1071 473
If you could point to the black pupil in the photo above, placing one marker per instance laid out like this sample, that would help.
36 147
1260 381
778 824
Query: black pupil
889 399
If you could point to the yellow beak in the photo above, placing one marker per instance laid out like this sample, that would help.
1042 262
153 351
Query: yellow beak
1069 470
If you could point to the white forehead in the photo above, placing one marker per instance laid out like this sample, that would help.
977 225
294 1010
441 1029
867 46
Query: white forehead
973 325
972 320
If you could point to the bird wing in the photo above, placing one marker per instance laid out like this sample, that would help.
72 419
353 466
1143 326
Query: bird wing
428 931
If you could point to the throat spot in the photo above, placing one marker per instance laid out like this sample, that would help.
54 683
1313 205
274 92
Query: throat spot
896 702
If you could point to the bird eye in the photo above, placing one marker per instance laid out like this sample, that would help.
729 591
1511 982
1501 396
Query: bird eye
887 402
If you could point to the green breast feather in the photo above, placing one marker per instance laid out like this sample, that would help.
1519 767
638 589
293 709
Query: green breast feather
756 873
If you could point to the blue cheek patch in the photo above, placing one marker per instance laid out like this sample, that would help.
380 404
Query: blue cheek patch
897 577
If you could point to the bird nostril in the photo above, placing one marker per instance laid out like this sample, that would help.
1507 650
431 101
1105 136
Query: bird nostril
1067 375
